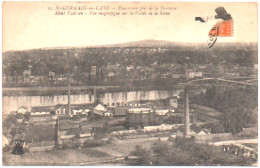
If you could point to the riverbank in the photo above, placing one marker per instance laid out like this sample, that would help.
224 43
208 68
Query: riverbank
76 90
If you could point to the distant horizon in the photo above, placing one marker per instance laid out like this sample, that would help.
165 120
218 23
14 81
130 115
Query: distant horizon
114 45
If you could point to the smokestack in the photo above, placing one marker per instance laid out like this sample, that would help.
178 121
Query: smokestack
69 106
187 114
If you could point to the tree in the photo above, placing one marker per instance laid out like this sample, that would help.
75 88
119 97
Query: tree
211 95
236 104
215 127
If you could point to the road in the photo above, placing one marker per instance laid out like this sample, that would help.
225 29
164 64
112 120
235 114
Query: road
239 141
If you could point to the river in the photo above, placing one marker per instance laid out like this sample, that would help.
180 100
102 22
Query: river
12 103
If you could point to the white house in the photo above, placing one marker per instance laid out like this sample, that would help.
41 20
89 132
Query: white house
194 74
22 110
4 141
51 74
174 102
27 72
128 68
60 110
93 70
100 109
111 74
255 66
78 111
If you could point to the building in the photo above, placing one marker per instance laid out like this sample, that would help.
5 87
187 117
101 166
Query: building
99 109
27 72
22 110
128 68
121 111
231 74
194 74
51 74
194 130
93 70
60 110
256 66
40 110
140 116
5 141
79 110
134 103
174 102
171 102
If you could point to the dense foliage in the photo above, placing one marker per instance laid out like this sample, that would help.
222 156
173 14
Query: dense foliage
238 105
186 152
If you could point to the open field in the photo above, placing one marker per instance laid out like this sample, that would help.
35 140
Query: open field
57 157
76 156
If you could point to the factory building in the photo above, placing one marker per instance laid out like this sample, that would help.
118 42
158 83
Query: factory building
140 117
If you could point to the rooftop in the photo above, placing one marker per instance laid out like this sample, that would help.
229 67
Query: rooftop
193 127
40 109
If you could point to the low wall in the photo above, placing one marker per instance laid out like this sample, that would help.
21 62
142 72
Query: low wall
84 135
126 132
66 136
214 137
159 127
41 148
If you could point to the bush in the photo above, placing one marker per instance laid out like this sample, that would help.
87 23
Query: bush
110 140
77 136
92 143
67 145
215 128
171 139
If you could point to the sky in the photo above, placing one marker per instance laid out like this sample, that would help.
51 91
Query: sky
30 25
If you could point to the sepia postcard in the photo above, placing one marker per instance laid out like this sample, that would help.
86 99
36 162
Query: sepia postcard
129 83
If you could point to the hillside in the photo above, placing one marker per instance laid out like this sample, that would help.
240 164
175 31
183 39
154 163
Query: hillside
61 60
